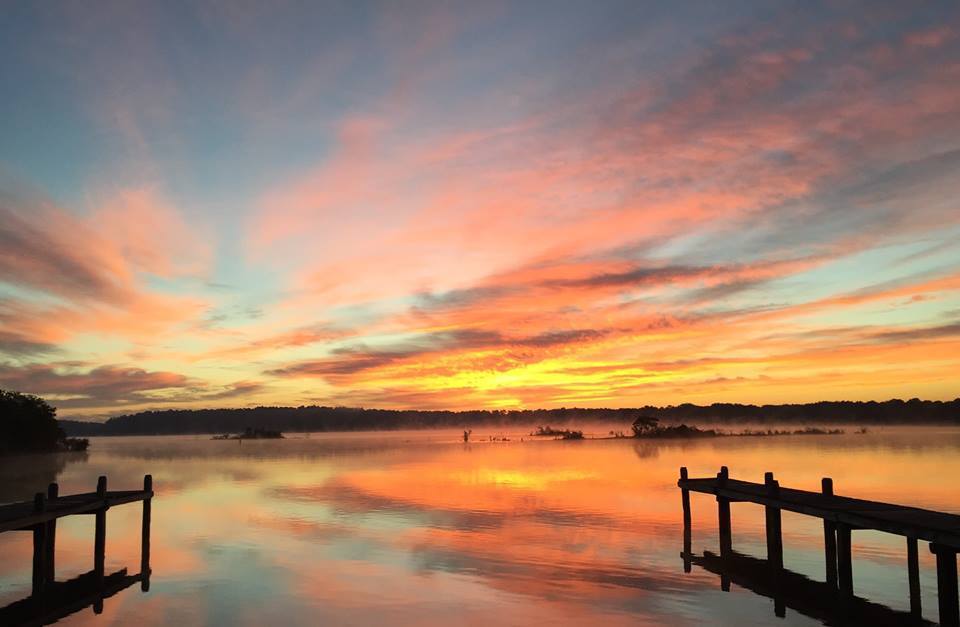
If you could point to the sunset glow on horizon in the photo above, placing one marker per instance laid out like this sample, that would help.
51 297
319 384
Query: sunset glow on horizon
478 205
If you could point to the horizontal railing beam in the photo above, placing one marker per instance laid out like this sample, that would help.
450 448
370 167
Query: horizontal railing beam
831 509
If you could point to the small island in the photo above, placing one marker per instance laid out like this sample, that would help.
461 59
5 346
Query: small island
649 427
251 433
557 434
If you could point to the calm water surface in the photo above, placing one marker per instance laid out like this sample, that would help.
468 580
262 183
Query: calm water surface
420 528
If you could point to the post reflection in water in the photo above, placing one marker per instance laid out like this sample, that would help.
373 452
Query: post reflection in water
816 599
420 527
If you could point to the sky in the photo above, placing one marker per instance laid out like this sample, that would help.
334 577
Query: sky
478 204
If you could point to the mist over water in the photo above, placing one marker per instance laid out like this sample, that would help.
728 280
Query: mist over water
410 527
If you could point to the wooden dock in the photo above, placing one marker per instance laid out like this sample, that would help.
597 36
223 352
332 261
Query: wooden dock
841 515
49 598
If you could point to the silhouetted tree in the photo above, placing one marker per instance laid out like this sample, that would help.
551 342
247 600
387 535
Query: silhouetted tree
28 423
644 424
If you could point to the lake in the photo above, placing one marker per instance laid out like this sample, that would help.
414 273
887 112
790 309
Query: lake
417 527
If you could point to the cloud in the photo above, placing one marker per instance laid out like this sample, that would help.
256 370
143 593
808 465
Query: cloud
108 383
240 389
14 344
62 275
76 385
46 249
353 360
297 337
918 334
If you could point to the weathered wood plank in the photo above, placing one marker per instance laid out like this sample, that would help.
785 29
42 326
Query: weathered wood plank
21 516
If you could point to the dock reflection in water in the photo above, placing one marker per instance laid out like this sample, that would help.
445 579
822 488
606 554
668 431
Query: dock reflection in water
816 599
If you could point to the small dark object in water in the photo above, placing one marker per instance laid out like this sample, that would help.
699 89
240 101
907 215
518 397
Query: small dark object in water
76 444
251 433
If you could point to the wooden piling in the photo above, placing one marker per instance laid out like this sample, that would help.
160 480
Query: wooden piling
145 536
723 515
947 597
726 534
38 583
726 529
774 527
687 525
844 559
685 498
53 492
100 531
779 607
829 537
913 576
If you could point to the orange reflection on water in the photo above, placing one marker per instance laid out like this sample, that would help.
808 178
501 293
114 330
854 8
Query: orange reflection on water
413 528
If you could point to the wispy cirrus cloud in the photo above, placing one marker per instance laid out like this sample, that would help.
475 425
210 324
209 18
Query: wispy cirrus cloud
73 275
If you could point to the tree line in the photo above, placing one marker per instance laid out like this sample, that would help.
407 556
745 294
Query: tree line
322 418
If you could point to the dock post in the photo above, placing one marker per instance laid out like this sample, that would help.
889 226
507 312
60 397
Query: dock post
779 607
53 492
913 576
947 597
774 530
687 531
100 542
39 547
829 537
145 536
100 530
685 497
723 511
844 559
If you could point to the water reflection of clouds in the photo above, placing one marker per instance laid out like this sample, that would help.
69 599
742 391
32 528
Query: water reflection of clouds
396 533
25 475
349 500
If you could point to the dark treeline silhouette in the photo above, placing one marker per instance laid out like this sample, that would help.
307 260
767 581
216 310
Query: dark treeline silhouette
314 418
29 424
